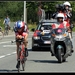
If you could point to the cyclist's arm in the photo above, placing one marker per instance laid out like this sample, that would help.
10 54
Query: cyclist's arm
26 29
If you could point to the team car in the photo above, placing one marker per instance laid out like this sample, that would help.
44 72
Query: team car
42 35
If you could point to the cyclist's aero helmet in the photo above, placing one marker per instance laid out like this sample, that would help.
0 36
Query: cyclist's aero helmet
19 24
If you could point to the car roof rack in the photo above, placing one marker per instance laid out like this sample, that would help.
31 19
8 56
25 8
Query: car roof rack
47 20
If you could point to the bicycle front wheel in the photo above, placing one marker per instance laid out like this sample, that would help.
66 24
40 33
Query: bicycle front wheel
1 35
18 69
23 64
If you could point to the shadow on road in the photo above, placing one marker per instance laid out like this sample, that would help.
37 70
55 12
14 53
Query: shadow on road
40 49
10 71
48 61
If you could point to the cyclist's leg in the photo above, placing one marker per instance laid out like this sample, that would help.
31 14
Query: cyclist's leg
18 55
4 27
26 43
8 27
17 51
17 44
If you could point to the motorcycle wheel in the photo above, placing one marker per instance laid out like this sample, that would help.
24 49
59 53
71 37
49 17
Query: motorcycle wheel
59 56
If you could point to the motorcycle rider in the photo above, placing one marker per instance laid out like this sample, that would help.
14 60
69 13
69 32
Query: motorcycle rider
64 8
61 24
67 5
59 9
68 14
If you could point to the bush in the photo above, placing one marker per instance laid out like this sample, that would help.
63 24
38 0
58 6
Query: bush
31 26
1 24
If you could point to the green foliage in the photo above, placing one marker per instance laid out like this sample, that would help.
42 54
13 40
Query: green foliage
12 8
31 26
15 9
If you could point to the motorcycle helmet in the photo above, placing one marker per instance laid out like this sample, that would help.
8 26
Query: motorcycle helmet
67 3
60 15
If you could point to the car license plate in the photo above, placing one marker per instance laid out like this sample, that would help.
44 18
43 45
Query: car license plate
46 31
47 42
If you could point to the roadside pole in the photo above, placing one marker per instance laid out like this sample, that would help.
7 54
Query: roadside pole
25 13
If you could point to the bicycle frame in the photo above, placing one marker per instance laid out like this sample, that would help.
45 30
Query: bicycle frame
22 54
6 29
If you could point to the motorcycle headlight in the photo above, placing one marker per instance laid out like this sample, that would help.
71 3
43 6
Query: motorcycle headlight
65 34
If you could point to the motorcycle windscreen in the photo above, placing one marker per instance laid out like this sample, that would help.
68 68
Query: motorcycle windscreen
59 31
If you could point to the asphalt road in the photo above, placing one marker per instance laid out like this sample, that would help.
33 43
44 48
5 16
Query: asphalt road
37 61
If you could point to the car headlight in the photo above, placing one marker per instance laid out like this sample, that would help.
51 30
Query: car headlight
36 38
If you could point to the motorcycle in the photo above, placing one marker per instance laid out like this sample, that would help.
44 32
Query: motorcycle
61 44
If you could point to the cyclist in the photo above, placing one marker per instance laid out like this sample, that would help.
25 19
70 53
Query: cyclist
61 24
7 22
21 30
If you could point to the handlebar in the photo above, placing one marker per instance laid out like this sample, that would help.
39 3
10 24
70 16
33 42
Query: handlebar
18 40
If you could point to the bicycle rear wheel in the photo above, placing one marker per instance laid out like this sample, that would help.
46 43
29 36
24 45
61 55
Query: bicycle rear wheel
23 65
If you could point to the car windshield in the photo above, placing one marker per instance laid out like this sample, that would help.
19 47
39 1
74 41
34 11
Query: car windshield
46 25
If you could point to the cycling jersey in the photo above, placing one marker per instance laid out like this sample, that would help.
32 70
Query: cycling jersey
6 21
23 32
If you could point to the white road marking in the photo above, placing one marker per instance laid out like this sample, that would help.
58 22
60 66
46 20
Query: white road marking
9 35
9 41
5 42
9 45
7 55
